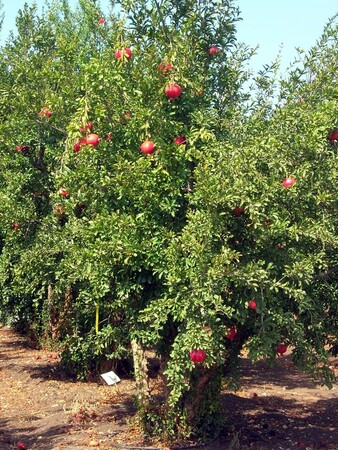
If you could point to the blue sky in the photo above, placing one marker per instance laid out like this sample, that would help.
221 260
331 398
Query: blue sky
283 25
272 25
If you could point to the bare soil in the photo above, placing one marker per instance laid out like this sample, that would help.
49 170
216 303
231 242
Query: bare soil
278 408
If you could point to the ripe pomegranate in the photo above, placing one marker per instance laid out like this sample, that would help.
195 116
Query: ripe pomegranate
79 144
15 226
165 67
86 128
21 445
63 192
77 147
238 211
45 112
197 356
231 334
173 90
288 182
147 147
282 348
22 149
214 50
124 53
93 139
333 136
180 140
252 304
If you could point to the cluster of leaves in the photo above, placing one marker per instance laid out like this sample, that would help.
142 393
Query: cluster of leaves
166 249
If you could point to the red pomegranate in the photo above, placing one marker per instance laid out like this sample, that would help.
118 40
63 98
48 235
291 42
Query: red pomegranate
231 334
197 356
147 147
93 139
180 140
173 90
282 348
288 182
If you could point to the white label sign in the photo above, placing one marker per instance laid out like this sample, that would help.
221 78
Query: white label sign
110 378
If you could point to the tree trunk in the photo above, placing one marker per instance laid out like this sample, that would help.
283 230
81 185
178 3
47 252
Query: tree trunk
141 375
58 318
52 312
204 390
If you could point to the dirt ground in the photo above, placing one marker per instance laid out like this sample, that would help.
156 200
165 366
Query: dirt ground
277 408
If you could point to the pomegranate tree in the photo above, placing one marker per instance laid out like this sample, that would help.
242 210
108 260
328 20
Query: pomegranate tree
202 224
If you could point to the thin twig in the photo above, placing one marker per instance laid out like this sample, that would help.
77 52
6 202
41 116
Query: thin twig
53 126
162 21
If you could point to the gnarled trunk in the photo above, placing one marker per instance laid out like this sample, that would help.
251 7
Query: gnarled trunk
141 375
202 399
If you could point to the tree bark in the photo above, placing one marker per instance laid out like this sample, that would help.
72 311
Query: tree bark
198 393
58 319
141 375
